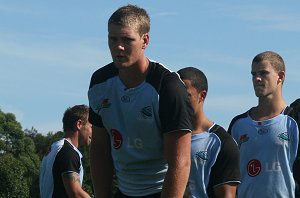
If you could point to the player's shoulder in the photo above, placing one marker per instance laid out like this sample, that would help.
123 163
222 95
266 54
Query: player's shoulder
104 73
162 78
293 110
220 132
67 151
158 68
217 129
296 103
229 147
240 116
158 71
108 69
236 118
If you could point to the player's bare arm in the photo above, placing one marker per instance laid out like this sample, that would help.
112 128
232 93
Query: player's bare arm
72 177
100 156
73 186
226 190
177 152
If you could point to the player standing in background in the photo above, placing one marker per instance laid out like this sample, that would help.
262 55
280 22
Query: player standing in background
61 172
214 154
268 138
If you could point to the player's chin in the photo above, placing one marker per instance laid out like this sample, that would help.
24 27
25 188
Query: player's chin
121 64
258 91
259 94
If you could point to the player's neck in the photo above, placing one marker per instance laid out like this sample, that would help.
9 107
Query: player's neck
267 108
136 74
201 124
73 140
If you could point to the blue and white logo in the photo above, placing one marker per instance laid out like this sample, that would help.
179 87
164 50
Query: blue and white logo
146 112
202 155
284 136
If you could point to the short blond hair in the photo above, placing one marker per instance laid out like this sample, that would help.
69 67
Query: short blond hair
131 16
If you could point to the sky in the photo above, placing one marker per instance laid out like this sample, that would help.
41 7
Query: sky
49 50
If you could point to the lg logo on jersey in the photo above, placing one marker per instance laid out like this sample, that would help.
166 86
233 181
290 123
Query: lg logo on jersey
135 143
118 141
254 167
117 138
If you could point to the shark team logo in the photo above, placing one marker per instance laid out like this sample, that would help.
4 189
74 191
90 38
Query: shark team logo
146 112
284 136
202 155
253 167
117 138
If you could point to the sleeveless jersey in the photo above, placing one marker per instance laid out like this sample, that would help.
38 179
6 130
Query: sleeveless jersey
63 157
268 150
136 119
214 161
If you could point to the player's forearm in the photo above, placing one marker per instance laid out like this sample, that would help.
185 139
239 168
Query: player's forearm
101 173
176 180
177 149
226 190
71 181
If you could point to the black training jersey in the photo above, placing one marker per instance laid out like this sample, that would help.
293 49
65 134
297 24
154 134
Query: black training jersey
62 158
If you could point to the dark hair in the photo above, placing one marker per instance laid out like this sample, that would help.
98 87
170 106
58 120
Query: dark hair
275 59
73 114
131 16
196 76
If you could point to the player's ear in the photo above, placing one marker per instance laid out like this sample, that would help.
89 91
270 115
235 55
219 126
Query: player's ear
281 75
146 40
203 94
78 124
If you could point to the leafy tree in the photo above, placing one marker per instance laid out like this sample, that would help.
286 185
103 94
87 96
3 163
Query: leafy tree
31 161
87 180
11 134
18 158
12 176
